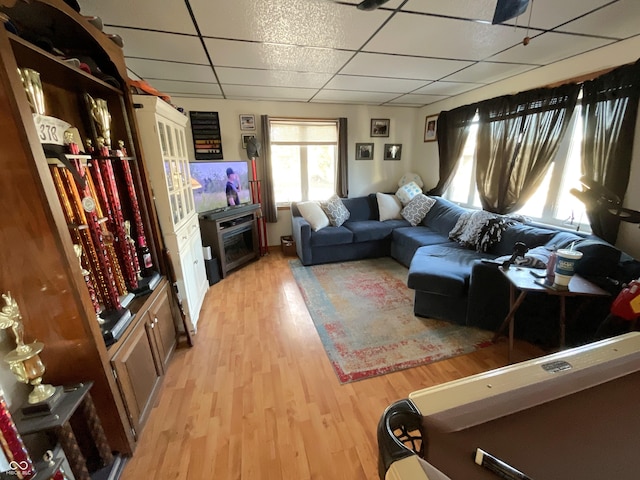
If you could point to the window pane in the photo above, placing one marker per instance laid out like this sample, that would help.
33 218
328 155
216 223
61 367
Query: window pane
302 132
569 209
322 171
285 162
535 205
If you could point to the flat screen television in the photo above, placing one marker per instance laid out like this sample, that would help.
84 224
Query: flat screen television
220 185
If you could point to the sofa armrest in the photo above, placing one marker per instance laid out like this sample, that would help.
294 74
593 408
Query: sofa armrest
301 231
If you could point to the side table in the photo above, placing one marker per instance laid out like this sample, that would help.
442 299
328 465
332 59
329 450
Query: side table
521 279
58 422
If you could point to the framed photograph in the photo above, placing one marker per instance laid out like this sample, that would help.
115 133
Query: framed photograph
392 151
364 151
247 122
245 138
380 127
430 126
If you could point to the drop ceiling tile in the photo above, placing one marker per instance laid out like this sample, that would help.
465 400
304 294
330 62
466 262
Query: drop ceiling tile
227 53
171 70
488 72
171 16
269 93
309 23
374 84
172 87
346 96
619 20
447 88
550 47
413 99
471 9
402 66
431 37
161 46
271 78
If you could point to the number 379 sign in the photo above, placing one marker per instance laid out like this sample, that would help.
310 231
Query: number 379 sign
50 129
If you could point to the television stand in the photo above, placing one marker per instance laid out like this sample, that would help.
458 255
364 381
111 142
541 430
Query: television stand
232 234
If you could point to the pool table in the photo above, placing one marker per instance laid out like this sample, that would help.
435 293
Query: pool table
574 414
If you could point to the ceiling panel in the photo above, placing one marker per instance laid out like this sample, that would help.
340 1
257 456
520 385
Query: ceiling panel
374 84
172 16
409 53
159 69
423 36
271 78
311 22
228 53
402 66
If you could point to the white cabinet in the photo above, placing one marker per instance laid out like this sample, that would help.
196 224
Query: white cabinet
164 141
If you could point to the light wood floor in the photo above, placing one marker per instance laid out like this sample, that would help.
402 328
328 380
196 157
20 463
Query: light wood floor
257 398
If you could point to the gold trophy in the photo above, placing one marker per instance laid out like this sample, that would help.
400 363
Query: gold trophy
33 87
101 116
24 361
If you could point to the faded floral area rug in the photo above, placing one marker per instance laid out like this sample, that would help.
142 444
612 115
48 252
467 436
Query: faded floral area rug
363 312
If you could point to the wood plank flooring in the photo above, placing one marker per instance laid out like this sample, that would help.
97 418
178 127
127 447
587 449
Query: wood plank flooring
256 397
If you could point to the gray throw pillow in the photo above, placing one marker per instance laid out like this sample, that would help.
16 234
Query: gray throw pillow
335 210
417 209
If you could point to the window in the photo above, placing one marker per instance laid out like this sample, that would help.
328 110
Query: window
553 202
304 158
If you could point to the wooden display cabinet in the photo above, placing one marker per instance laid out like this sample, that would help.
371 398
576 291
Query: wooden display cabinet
37 260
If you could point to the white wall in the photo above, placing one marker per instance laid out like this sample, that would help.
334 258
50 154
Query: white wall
407 128
620 53
365 176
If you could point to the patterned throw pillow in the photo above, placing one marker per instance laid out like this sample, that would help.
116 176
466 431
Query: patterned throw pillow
411 177
406 192
417 209
335 210
313 213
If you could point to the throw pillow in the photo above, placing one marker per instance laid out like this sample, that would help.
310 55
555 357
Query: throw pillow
389 206
406 192
335 210
313 213
411 177
417 209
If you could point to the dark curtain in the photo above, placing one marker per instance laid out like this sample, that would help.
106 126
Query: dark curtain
269 209
342 180
518 136
609 111
452 133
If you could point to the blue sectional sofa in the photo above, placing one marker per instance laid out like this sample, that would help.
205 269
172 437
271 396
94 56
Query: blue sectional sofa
451 281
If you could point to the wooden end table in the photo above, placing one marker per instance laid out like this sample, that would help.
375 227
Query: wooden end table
521 279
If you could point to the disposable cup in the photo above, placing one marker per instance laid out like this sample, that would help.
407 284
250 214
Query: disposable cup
565 265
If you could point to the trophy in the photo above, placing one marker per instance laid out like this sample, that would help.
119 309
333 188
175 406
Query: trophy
24 361
102 118
33 88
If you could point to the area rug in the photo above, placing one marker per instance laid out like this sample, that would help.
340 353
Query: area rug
363 312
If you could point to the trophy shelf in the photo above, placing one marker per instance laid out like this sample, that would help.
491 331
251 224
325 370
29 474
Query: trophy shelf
37 252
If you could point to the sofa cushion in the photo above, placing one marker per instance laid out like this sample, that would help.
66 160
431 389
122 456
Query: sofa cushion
406 240
331 236
599 259
407 192
335 210
368 230
537 257
389 206
443 216
313 213
361 208
519 232
415 211
442 269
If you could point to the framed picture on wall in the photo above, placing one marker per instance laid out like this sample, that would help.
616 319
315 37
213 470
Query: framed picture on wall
380 127
364 151
392 151
430 126
245 139
247 122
